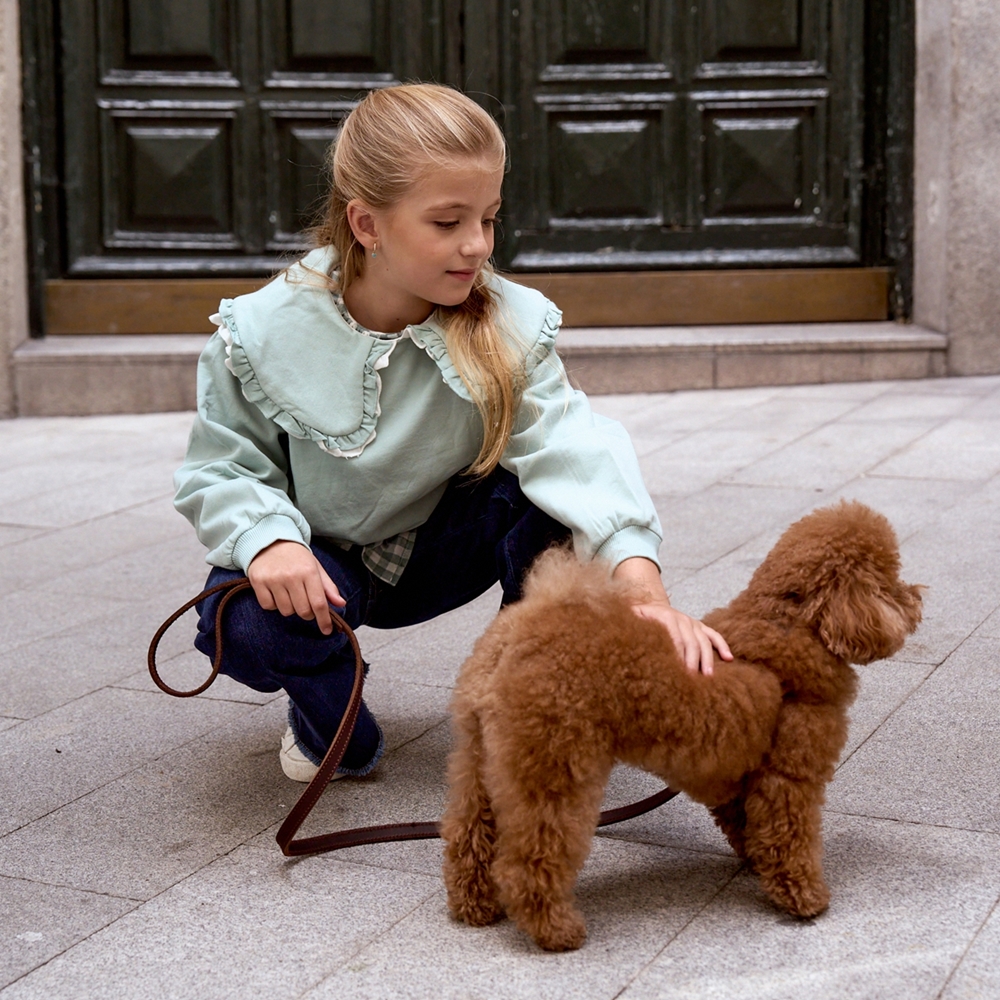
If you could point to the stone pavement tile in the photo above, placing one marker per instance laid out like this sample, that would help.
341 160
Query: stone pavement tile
705 526
41 921
858 392
407 786
717 584
247 926
168 572
60 756
141 833
634 898
910 406
909 505
76 453
405 711
827 458
956 449
978 974
906 902
967 385
956 558
990 627
883 686
705 457
985 407
14 534
63 504
935 760
7 723
30 615
42 675
38 560
667 417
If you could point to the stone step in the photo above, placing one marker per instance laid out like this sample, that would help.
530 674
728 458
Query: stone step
78 375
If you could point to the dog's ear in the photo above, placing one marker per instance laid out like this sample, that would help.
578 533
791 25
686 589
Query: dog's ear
861 619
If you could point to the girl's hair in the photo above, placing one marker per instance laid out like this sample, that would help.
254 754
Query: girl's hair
391 139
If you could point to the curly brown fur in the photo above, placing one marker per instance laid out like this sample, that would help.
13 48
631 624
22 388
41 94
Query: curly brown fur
569 681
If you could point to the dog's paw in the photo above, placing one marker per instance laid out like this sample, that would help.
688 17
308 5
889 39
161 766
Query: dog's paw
559 930
476 912
473 900
800 898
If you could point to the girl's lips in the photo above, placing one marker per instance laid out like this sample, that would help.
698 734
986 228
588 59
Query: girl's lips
467 275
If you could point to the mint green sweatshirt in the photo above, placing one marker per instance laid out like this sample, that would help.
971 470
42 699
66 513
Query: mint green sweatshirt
307 427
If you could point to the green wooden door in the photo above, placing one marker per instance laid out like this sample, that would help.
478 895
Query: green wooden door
666 133
189 134
195 129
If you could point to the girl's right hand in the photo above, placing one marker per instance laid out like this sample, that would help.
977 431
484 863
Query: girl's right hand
286 576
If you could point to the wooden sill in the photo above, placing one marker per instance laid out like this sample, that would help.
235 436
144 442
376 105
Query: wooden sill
628 298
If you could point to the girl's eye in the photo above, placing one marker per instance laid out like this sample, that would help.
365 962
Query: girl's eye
489 222
446 225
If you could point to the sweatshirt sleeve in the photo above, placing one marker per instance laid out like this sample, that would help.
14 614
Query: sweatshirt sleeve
234 485
581 468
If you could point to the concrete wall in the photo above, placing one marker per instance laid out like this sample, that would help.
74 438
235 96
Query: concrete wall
13 267
957 182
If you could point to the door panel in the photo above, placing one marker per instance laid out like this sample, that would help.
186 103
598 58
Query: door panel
669 133
195 129
169 177
296 139
142 40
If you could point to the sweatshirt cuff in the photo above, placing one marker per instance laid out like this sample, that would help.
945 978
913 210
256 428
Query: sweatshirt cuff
270 528
632 540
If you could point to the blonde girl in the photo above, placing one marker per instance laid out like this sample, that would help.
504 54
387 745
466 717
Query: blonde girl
387 429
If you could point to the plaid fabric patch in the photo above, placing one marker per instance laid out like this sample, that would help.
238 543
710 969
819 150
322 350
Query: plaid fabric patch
388 559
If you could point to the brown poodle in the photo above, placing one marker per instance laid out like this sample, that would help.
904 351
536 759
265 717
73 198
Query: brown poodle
569 681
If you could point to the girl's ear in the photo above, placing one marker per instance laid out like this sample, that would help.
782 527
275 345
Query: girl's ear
361 219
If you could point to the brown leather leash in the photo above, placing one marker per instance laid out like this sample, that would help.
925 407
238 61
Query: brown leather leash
361 835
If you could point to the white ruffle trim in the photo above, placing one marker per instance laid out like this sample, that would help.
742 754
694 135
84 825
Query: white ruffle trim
227 337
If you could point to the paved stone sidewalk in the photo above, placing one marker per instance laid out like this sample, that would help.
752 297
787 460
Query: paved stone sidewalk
137 856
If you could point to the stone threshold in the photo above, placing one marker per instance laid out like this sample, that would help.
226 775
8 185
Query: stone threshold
129 373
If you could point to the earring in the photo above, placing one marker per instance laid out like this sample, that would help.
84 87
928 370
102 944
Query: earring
374 249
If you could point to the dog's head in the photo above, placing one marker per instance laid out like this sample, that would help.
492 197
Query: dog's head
837 570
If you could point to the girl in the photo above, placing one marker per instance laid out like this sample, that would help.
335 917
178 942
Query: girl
386 428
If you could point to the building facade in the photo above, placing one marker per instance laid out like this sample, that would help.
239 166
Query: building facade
642 138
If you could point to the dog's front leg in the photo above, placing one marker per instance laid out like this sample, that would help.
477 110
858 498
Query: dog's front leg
783 806
784 842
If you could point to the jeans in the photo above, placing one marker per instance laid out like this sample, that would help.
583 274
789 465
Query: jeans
480 532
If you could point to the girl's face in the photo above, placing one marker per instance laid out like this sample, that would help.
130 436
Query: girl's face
433 242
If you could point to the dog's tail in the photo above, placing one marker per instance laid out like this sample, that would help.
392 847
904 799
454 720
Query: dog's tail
558 577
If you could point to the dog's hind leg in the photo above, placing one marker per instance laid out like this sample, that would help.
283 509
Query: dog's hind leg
469 831
731 819
545 832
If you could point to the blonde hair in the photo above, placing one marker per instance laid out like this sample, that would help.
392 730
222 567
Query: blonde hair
385 145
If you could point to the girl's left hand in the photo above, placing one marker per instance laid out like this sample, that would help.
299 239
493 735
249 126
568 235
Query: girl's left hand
695 641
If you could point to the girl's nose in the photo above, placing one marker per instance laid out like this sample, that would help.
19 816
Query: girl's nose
475 244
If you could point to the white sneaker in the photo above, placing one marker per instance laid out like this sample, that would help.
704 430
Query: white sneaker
294 762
